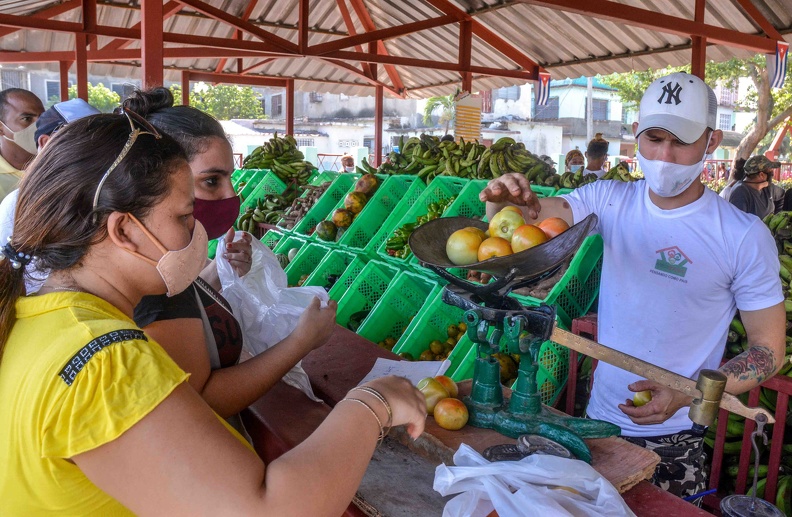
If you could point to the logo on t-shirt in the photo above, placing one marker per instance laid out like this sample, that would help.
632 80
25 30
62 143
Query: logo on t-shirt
673 261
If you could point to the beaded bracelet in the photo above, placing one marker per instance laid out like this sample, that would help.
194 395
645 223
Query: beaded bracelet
378 395
364 404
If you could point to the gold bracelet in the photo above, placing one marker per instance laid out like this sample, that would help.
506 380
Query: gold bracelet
381 398
364 404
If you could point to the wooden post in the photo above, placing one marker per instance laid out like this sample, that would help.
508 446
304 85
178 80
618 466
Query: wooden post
186 87
698 60
378 110
290 107
64 79
151 18
81 56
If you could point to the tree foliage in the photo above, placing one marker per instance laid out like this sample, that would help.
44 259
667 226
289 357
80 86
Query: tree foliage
222 101
771 106
100 97
447 108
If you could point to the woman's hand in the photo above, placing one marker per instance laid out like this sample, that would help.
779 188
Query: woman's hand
316 325
512 188
407 403
664 404
240 253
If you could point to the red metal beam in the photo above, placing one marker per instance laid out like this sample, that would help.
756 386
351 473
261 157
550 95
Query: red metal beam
465 52
212 77
368 25
290 107
359 73
64 79
237 34
699 58
168 10
185 89
302 26
89 20
342 7
219 14
751 10
28 22
131 55
653 20
381 34
80 51
257 65
45 14
495 41
152 54
378 116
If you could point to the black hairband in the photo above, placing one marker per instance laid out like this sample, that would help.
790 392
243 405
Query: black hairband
17 258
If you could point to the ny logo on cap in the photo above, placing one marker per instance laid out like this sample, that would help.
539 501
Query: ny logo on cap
671 92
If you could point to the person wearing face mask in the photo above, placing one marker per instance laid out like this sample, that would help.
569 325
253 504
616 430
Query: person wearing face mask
348 163
197 327
574 160
753 194
46 125
19 110
96 418
679 261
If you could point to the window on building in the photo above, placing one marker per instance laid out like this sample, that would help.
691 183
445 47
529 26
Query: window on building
547 112
599 109
369 143
14 79
728 96
305 142
724 122
53 90
315 97
486 101
277 105
510 93
123 90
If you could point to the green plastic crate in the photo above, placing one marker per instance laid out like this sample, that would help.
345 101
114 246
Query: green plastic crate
236 175
442 187
389 224
269 184
542 191
365 290
241 175
349 275
252 183
212 248
324 205
271 238
574 294
371 221
320 177
333 263
304 263
430 324
400 303
288 242
563 191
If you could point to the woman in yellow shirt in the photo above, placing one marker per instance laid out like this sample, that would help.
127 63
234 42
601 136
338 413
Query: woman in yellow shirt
95 418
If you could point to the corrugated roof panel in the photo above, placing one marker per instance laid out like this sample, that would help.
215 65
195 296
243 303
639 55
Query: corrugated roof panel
24 7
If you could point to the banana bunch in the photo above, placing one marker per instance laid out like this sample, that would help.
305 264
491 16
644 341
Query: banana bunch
506 155
619 172
571 179
269 209
281 156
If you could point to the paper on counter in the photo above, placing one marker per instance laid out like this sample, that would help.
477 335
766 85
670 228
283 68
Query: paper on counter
413 370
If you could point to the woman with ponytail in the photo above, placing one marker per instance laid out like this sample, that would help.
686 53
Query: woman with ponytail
96 418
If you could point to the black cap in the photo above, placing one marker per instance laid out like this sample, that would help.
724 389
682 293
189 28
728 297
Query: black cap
62 113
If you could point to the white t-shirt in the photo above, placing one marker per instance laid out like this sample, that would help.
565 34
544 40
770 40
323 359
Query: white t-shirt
34 278
671 282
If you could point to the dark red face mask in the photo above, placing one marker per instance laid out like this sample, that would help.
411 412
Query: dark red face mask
217 215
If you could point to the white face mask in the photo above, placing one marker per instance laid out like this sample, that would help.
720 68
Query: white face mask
349 169
575 168
24 138
670 179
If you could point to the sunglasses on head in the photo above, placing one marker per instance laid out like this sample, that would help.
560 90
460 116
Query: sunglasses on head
137 126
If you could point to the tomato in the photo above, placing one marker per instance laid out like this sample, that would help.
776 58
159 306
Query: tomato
642 397
553 226
512 208
527 236
462 247
449 384
504 223
494 247
433 392
477 231
451 414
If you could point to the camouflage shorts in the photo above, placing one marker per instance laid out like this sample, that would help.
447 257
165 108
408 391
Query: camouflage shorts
682 467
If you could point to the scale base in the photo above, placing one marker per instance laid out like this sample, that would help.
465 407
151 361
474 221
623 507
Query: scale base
481 414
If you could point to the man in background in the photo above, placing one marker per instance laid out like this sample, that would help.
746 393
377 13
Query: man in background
19 111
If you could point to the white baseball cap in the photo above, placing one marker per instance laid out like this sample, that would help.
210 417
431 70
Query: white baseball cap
681 104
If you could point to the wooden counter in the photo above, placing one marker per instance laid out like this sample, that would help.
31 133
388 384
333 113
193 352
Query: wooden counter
398 481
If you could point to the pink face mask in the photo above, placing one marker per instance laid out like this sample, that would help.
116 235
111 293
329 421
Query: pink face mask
178 268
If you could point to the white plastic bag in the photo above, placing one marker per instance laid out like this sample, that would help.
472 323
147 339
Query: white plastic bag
267 310
537 485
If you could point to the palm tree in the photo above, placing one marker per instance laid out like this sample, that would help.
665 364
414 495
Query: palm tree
446 104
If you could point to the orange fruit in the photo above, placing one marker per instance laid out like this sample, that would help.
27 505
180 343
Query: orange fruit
553 226
494 247
527 236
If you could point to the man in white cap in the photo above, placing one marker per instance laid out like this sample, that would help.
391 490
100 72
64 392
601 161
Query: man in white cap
679 262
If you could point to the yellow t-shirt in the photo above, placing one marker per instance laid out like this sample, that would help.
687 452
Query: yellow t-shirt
9 178
66 389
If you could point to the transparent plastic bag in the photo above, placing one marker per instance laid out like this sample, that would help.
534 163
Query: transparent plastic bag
267 310
537 485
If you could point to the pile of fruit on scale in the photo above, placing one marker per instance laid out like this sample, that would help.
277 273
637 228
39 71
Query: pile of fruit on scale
281 156
508 233
440 393
354 202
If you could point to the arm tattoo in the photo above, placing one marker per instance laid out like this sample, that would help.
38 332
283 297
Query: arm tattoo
756 363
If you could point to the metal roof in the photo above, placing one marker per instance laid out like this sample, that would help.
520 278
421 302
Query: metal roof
567 44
